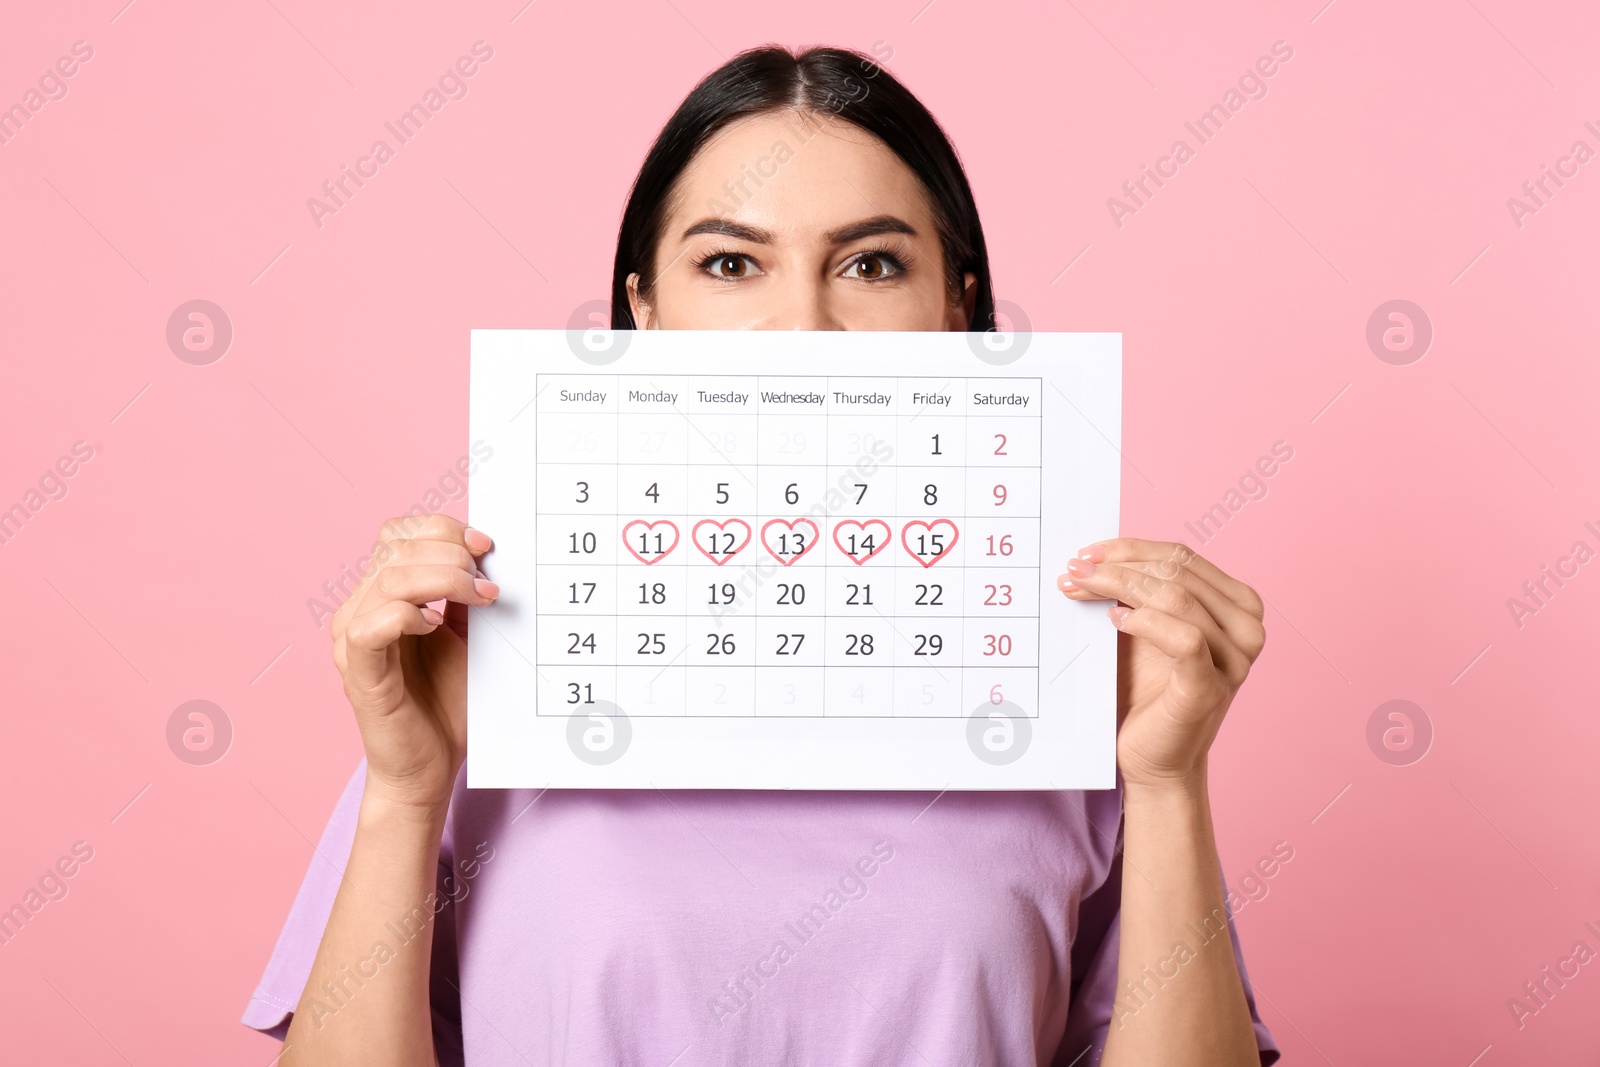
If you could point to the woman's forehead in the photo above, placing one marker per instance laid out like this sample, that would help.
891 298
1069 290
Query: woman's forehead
797 174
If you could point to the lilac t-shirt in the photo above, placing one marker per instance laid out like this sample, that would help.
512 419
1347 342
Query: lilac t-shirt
716 927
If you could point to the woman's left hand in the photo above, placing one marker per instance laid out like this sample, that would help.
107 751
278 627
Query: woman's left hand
1189 635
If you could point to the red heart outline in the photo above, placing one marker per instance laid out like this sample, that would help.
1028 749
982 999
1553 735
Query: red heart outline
650 526
883 543
955 535
694 536
816 535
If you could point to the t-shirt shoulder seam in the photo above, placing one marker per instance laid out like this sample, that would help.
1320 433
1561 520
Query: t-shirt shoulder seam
276 1002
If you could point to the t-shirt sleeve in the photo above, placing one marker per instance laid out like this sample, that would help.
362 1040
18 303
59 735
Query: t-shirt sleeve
273 1003
1094 1006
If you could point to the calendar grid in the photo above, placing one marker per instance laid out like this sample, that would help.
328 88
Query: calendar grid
827 444
743 626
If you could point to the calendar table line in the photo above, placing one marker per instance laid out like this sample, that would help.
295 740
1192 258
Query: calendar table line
757 485
744 691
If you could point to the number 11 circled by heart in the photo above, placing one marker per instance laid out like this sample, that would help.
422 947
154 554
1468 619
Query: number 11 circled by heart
650 527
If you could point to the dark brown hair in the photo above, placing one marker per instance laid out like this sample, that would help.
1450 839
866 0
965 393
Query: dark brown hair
844 82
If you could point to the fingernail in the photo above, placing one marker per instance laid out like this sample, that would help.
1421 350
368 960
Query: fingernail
1094 553
1080 568
1065 584
477 540
485 588
431 617
1117 614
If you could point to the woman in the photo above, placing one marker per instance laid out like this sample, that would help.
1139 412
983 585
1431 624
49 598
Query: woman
644 927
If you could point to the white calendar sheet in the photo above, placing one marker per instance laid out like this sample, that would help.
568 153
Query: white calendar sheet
792 560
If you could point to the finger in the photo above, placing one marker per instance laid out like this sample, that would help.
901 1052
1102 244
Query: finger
1138 589
1173 555
426 551
394 536
421 583
1242 628
435 528
409 553
368 638
1184 643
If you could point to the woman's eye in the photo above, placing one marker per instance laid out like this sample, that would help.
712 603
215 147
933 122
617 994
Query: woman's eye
873 266
731 265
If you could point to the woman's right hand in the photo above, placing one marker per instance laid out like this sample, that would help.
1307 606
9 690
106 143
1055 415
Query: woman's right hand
405 665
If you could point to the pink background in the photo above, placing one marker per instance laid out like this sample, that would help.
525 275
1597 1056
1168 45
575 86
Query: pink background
220 497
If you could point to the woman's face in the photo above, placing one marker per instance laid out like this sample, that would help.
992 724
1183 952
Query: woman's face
798 221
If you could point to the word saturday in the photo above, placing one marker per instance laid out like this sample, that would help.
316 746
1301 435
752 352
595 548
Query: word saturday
1005 399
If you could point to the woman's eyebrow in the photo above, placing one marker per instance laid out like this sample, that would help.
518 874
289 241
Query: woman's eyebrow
854 231
729 228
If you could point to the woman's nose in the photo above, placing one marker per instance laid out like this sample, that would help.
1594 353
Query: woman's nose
803 305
